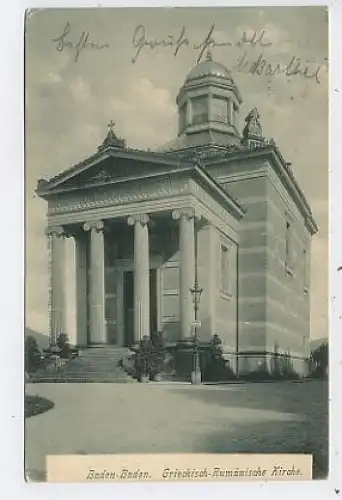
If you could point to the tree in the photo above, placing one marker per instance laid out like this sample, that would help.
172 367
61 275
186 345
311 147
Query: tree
32 355
320 359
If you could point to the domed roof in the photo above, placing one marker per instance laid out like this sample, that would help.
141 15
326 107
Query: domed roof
209 68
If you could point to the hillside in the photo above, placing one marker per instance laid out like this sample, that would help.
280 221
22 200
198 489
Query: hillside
316 343
43 340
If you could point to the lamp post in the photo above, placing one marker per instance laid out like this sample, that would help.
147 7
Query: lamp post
196 292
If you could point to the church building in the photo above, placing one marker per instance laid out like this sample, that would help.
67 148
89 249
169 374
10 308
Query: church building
217 205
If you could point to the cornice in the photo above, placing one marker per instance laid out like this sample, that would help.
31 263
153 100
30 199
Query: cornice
215 186
221 221
293 186
283 171
110 211
152 186
120 195
206 83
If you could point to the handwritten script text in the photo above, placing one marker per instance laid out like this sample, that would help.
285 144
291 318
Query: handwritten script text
78 45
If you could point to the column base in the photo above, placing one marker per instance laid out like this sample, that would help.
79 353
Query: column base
196 378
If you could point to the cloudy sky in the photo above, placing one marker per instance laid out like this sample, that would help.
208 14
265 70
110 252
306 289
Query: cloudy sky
69 103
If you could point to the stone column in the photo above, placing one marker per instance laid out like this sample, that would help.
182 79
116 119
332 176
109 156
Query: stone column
81 289
57 309
70 285
186 219
141 275
97 283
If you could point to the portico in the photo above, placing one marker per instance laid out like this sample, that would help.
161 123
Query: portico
135 261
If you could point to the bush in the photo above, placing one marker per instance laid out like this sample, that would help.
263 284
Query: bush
33 355
149 356
158 354
142 358
319 360
64 345
214 366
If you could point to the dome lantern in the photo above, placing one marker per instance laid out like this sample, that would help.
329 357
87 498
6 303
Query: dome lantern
208 104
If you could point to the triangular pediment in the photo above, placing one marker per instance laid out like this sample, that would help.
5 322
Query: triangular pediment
109 168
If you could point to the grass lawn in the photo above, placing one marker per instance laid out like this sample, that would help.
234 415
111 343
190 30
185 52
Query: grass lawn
279 417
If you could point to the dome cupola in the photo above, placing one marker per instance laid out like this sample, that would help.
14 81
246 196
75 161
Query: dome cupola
208 68
208 105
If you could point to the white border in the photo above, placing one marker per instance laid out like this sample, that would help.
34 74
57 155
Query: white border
12 262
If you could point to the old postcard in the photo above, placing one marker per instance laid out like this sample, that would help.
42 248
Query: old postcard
176 244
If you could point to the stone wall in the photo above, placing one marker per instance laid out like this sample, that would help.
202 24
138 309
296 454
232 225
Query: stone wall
226 298
252 262
288 277
274 302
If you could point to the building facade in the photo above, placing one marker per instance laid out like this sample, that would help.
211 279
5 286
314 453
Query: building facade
214 200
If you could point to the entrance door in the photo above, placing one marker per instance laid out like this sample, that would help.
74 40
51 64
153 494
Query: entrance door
153 301
128 296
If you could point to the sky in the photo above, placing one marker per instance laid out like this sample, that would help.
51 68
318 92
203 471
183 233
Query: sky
70 100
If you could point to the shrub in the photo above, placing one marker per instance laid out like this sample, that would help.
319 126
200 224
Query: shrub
319 360
149 356
214 366
33 356
63 344
142 358
158 354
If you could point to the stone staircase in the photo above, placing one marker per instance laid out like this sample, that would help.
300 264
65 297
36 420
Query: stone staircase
94 364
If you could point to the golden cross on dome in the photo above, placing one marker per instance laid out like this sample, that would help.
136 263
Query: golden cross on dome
111 125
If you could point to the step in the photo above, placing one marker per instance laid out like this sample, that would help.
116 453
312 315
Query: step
94 351
104 358
82 375
86 375
93 371
99 380
94 364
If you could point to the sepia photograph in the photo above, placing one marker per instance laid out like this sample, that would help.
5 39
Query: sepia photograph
177 241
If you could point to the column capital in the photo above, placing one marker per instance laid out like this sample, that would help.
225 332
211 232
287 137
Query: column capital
142 218
71 232
98 225
188 213
58 231
74 232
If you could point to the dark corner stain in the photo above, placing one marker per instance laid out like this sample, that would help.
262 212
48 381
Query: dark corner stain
35 405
